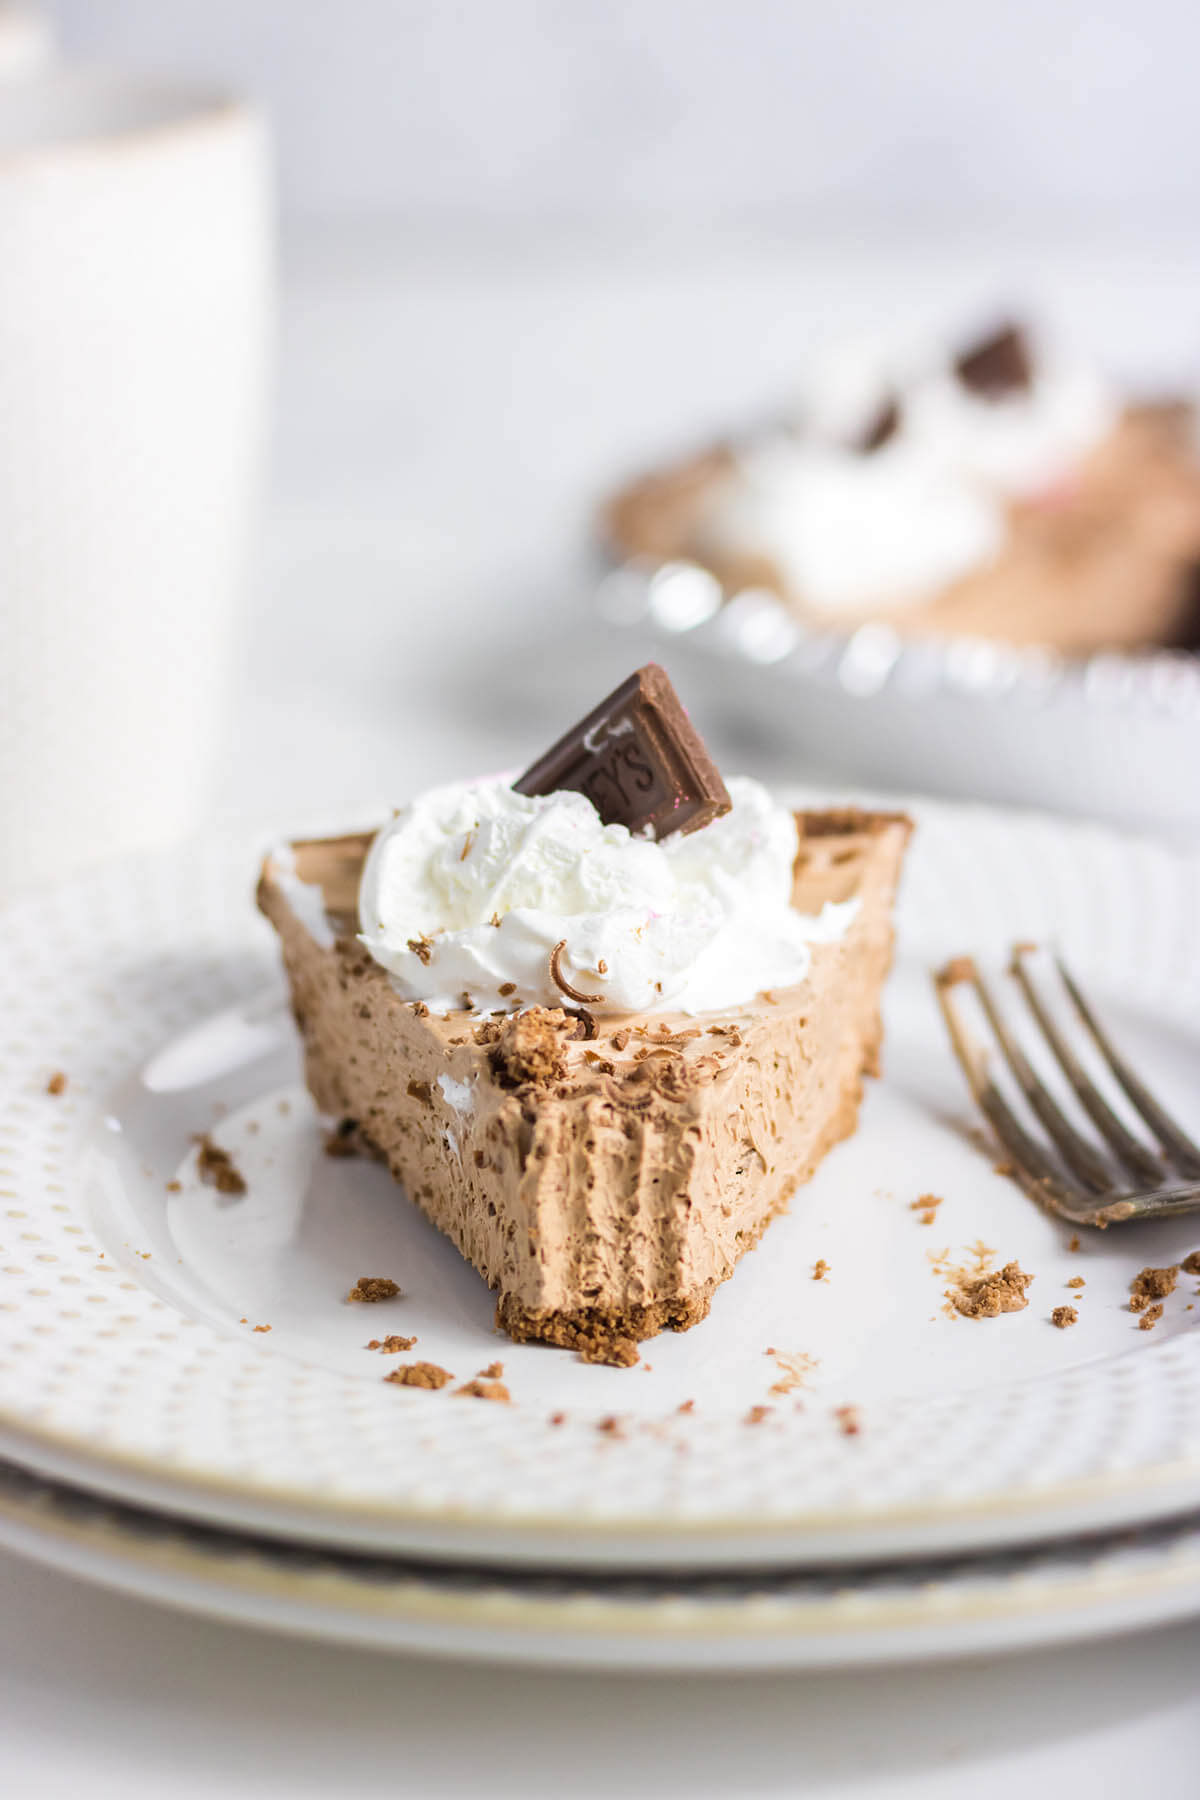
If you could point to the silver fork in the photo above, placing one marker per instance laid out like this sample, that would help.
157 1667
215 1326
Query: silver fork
1088 1182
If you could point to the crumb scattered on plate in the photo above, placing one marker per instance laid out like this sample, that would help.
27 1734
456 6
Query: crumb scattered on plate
370 1288
1152 1284
217 1169
393 1345
57 1083
987 1296
419 1375
486 1390
795 1367
1062 1316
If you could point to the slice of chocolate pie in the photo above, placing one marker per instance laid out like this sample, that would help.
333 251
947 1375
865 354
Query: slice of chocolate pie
600 1060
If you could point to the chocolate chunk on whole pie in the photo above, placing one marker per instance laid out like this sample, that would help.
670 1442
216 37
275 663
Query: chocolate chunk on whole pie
998 366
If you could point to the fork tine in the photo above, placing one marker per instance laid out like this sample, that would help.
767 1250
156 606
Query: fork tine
1140 1161
1173 1139
1037 1170
1082 1158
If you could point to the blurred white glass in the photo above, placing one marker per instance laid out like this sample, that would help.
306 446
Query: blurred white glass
135 320
26 41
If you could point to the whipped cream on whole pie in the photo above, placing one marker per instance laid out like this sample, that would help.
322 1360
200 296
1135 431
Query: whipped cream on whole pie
851 522
848 530
1017 444
515 901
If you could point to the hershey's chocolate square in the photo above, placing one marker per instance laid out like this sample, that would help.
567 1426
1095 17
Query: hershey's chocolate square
638 758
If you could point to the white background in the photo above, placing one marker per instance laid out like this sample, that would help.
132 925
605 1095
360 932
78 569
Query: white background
527 239
675 112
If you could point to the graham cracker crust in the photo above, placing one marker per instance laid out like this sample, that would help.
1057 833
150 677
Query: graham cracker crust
844 821
603 1334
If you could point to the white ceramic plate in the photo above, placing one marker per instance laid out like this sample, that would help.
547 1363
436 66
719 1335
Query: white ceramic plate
1111 736
129 1362
1016 1600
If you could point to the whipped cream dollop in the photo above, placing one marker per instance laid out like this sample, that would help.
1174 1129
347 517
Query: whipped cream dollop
847 530
1014 445
471 888
888 527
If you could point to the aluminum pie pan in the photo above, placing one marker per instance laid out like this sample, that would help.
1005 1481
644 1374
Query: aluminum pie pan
1111 735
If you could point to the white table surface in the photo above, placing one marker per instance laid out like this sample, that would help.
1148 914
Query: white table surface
105 1698
444 417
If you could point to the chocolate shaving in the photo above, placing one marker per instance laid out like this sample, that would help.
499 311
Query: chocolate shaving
998 366
563 985
639 760
585 1019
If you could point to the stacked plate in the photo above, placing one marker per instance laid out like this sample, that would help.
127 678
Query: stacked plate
826 1471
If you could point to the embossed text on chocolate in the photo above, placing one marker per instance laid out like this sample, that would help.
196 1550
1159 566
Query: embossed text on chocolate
639 760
